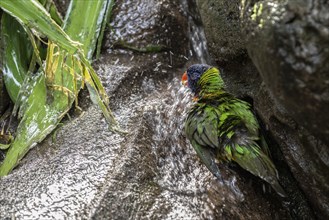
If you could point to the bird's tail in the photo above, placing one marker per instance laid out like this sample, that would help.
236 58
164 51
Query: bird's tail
253 159
278 188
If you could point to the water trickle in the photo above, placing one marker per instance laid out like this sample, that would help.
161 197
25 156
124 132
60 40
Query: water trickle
198 42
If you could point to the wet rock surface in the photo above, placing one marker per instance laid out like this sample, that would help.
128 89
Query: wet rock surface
221 21
286 77
84 171
289 47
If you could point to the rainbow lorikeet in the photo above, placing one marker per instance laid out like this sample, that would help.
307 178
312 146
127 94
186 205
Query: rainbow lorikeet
224 127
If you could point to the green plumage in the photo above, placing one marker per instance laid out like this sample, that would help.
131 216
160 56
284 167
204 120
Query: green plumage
224 127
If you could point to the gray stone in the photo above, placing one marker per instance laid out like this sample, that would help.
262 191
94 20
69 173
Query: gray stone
288 42
221 21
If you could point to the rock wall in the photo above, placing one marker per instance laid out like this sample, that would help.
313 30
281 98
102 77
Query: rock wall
223 32
280 62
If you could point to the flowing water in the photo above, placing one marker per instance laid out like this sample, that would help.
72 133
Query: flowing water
199 50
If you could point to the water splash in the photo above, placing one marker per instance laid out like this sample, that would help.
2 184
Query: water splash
183 181
198 42
178 178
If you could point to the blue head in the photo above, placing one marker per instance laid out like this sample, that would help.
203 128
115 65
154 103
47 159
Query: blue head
194 73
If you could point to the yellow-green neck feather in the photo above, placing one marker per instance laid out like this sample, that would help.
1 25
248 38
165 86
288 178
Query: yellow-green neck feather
210 83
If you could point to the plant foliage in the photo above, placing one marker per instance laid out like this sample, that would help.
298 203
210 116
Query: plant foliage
44 87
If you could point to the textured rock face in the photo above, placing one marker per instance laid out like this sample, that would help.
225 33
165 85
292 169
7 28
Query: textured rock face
288 44
222 28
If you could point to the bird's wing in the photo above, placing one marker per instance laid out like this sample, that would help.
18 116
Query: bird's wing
201 128
252 158
264 145
207 157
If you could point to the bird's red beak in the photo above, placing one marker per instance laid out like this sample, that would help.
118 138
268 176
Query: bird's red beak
184 79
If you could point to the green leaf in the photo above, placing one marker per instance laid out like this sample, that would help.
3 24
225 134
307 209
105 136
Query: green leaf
33 15
50 93
16 55
50 6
